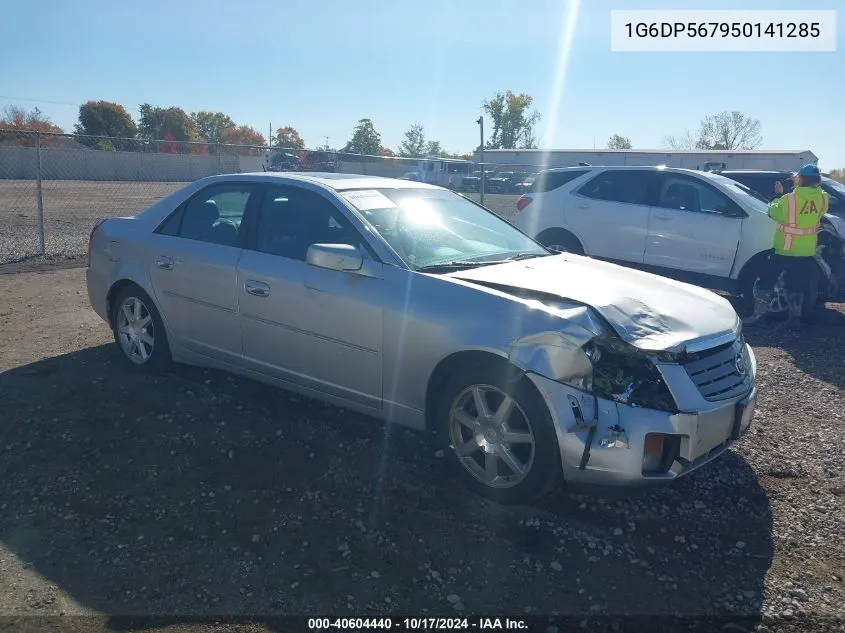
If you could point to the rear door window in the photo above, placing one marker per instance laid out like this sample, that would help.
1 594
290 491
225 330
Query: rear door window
551 180
630 186
213 215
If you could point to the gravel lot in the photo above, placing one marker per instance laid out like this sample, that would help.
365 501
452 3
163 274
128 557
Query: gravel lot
197 494
71 208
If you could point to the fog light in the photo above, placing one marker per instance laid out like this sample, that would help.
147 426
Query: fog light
660 451
653 453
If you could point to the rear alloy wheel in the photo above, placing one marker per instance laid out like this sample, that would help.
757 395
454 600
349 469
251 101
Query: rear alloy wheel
500 436
139 331
558 248
561 242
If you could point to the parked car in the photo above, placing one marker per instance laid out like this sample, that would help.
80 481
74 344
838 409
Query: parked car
763 182
413 304
413 175
694 226
524 186
281 161
505 182
472 183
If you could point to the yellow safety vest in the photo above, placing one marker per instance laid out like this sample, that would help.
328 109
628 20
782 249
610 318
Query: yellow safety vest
798 215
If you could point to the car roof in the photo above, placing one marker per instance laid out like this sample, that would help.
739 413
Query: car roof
624 167
340 182
753 171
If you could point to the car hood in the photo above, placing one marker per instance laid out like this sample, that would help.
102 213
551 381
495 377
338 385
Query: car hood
650 312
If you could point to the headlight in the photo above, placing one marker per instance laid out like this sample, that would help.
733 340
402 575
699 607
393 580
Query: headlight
624 374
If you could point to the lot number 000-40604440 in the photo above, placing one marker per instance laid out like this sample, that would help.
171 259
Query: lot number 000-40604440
407 624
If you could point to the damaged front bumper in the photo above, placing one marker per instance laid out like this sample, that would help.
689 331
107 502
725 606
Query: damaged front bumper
606 442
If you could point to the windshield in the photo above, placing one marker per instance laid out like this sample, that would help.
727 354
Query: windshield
432 226
747 197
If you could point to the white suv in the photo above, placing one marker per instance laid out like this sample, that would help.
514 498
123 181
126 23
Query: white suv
693 226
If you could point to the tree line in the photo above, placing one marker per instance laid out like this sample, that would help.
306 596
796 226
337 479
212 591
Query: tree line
722 131
512 123
511 115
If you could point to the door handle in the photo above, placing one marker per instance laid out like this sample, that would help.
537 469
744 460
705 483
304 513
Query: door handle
583 205
663 217
165 263
257 288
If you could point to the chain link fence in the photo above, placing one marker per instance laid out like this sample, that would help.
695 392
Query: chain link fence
55 187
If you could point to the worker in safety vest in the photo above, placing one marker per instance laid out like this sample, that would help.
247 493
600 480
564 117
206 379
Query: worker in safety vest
798 215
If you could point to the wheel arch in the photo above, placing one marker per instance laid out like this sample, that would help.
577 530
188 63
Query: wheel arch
454 364
116 288
544 236
753 263
119 286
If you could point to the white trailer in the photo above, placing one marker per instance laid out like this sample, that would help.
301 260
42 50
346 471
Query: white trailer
446 172
785 160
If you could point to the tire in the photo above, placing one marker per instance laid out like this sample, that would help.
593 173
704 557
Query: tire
561 241
156 355
482 443
745 297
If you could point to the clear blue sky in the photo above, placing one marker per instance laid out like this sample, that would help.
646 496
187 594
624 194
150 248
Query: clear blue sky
321 65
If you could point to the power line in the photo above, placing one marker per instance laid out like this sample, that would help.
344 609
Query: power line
37 100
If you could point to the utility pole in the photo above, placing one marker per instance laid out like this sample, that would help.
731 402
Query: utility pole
270 144
480 122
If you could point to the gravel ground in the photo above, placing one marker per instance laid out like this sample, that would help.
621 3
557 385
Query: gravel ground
200 494
71 208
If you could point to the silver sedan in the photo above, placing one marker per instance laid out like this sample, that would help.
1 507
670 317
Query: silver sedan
413 304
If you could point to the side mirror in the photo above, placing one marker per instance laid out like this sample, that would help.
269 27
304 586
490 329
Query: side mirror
343 257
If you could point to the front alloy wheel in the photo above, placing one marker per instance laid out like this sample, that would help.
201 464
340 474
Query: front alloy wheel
491 436
498 433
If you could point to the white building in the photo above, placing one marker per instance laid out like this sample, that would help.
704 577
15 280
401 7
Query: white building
692 159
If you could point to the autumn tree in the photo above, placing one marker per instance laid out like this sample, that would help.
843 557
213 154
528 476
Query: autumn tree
105 118
619 142
15 119
414 144
210 125
387 152
365 139
684 141
289 138
722 131
244 135
513 121
838 174
159 123
730 130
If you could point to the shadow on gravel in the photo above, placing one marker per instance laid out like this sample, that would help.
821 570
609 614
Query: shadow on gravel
816 350
198 494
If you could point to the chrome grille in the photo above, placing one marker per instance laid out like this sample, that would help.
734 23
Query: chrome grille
716 373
